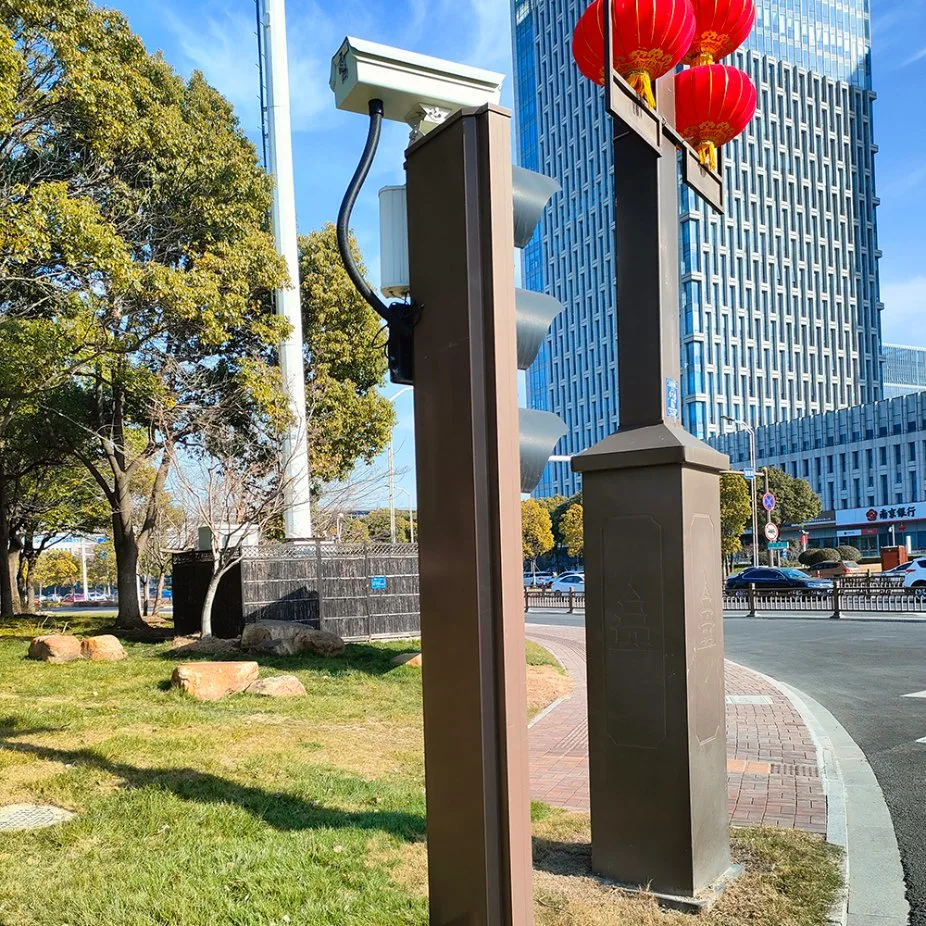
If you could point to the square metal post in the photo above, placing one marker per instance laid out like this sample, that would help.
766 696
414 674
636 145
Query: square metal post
657 740
461 241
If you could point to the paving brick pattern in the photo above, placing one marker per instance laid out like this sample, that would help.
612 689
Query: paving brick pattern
772 771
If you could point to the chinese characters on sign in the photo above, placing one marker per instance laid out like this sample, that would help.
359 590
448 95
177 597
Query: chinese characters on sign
889 514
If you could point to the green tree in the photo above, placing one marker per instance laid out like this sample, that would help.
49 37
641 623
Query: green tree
101 567
572 528
795 501
536 529
735 511
137 194
59 568
554 504
378 526
349 421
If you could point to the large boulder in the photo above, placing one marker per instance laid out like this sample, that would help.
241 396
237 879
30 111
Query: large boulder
289 638
105 648
278 686
210 681
55 647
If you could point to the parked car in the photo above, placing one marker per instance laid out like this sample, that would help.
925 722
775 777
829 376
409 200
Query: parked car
72 598
915 574
769 579
832 569
538 579
569 582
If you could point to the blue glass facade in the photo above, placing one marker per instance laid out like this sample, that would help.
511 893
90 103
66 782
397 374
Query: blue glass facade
903 370
780 312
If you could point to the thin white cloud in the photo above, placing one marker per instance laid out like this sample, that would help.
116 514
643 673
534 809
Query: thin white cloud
916 56
223 45
904 311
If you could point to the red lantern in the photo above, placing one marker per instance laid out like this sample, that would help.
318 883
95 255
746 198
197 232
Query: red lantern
713 104
650 38
721 26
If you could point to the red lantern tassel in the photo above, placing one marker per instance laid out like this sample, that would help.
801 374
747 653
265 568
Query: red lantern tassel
707 154
640 81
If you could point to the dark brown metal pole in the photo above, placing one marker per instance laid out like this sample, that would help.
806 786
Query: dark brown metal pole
460 234
657 745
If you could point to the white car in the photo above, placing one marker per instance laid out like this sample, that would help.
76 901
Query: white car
914 574
570 582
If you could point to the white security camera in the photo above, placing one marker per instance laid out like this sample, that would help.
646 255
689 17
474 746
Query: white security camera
416 89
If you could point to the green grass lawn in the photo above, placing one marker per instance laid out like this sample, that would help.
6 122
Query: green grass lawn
249 811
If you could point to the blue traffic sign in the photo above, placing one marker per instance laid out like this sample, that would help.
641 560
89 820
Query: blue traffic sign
377 583
749 473
768 501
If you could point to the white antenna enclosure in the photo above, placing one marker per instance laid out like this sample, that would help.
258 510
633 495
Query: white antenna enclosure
393 242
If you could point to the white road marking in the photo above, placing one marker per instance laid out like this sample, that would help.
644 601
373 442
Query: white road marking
922 740
915 694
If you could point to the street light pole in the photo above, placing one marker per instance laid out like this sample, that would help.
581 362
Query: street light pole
752 483
411 515
279 147
392 471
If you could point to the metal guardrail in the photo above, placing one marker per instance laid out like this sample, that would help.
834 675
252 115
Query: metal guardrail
852 596
540 599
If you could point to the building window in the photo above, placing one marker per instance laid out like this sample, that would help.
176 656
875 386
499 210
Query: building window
911 452
854 459
897 454
882 456
829 464
884 494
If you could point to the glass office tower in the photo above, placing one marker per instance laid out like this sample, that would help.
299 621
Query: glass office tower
779 297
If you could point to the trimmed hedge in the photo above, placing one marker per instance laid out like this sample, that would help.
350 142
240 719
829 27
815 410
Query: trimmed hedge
849 554
818 555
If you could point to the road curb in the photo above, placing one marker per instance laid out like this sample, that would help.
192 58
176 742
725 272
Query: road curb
857 820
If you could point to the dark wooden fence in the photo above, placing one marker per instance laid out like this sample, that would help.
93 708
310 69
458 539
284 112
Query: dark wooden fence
363 592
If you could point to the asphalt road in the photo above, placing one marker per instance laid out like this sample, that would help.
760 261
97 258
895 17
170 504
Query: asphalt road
859 671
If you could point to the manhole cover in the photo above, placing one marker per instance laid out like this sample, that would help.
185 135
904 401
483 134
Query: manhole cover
32 816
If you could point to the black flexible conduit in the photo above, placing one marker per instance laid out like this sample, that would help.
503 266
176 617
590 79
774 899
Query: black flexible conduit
347 207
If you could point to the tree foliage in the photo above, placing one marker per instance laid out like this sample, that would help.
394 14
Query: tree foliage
795 501
59 568
572 530
378 526
134 215
536 529
348 420
735 511
849 554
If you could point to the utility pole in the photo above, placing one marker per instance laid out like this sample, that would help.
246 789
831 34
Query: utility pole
279 147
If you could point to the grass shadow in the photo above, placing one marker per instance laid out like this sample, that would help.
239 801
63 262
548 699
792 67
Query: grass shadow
282 811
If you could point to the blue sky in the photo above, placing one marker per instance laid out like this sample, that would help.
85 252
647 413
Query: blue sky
217 37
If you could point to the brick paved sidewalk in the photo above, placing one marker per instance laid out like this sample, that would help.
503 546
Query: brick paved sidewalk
772 772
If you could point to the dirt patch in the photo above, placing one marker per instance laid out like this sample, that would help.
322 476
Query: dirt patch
544 685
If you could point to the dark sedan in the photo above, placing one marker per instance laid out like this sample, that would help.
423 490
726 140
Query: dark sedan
767 579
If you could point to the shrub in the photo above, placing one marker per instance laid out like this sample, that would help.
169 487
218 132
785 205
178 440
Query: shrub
849 554
818 555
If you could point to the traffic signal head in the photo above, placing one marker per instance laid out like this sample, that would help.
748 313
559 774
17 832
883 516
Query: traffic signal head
540 431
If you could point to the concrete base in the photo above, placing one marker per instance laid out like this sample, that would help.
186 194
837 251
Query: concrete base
704 901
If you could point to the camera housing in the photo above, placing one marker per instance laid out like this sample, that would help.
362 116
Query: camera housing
418 90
